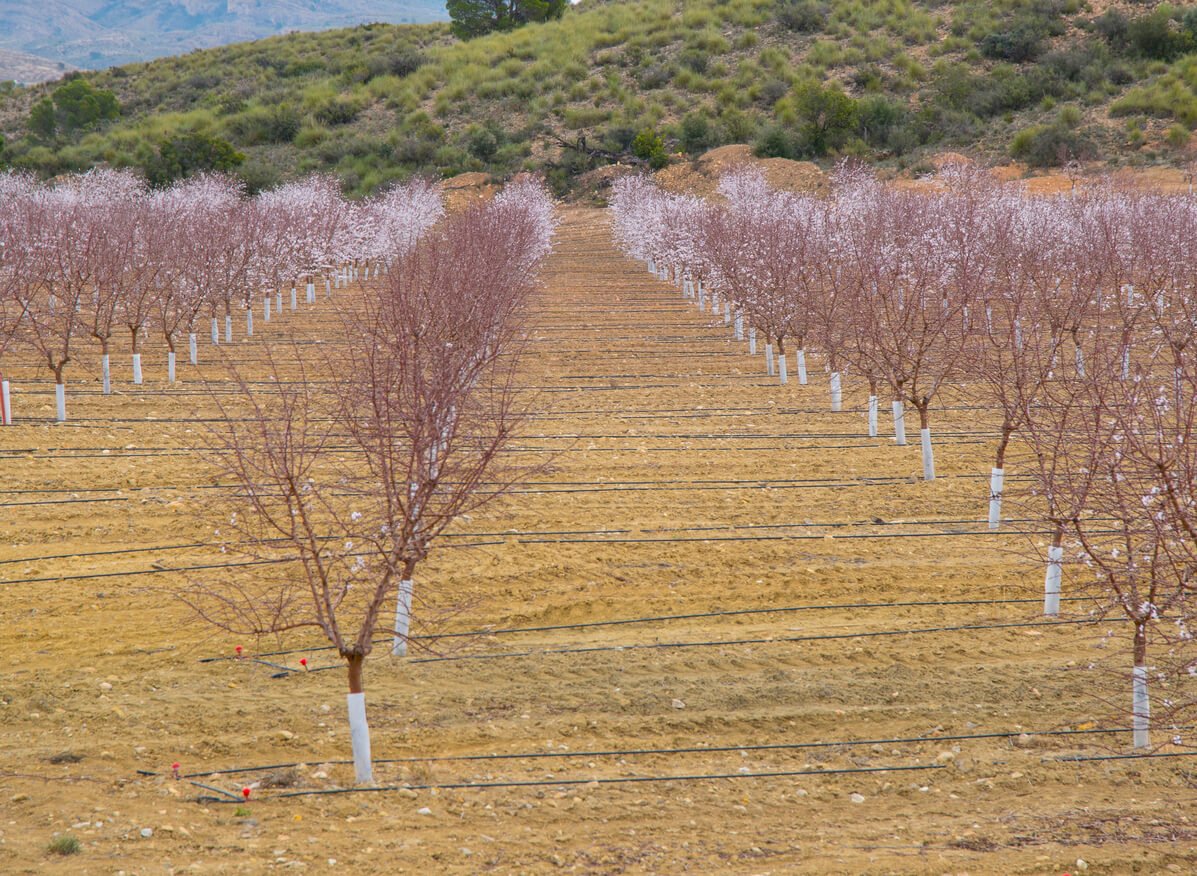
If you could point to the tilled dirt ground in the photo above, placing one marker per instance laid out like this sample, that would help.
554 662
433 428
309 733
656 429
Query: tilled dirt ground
843 622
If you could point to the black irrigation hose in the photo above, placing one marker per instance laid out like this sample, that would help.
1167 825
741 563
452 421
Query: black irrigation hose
660 619
766 640
698 749
622 780
1084 759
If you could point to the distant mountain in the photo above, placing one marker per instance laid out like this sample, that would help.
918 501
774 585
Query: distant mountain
28 69
94 34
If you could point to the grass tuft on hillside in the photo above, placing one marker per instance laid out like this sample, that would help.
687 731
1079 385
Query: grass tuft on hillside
1045 82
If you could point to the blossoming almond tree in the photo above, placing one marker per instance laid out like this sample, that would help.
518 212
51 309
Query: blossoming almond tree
353 479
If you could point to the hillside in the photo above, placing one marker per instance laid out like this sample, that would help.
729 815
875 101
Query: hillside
100 33
893 81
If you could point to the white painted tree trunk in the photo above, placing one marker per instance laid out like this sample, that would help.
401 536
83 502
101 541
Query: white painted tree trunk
228 328
402 618
106 373
6 402
215 331
60 402
899 424
1051 581
928 455
996 478
872 416
752 342
1141 706
137 368
801 358
769 369
192 351
359 735
783 376
837 392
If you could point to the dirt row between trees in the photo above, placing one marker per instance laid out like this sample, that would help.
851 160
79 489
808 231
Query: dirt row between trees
680 481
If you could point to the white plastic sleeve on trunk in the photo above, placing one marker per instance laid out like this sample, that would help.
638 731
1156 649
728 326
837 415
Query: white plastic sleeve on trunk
137 368
249 323
783 376
170 367
60 402
752 342
727 317
837 392
359 735
769 359
1051 581
801 358
215 331
996 478
899 424
266 309
311 291
739 328
872 416
278 303
192 352
6 402
402 618
294 298
1141 707
228 329
928 455
106 373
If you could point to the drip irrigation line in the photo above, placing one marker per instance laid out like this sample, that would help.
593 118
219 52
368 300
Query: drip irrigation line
582 625
621 780
765 640
62 502
197 568
1097 757
640 752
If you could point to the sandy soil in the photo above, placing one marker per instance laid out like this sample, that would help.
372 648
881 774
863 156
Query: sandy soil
681 480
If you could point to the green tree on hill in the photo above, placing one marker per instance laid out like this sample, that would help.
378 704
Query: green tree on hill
473 18
76 106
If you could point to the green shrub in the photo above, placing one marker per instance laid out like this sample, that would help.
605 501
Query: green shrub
801 16
1050 146
64 845
338 111
481 142
650 146
187 154
1177 136
697 134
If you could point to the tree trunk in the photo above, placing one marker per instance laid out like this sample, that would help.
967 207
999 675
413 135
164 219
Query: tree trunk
1051 580
1141 704
925 439
359 730
403 611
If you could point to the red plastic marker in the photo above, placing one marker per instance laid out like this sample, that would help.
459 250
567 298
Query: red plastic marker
238 650
245 793
303 661
174 767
